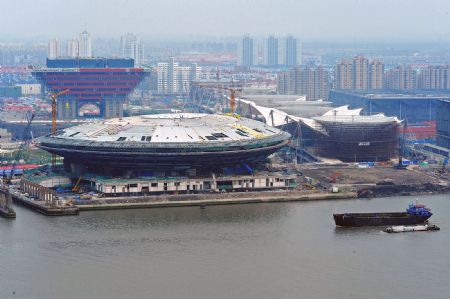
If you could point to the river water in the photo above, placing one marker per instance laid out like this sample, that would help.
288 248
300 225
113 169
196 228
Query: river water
276 250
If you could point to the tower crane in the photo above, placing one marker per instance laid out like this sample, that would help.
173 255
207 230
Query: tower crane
232 92
54 96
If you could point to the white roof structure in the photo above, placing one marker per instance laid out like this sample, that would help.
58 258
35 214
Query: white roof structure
170 128
277 118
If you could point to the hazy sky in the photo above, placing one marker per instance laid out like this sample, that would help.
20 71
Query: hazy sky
322 20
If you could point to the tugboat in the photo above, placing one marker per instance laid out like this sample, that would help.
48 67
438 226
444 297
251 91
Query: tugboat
415 214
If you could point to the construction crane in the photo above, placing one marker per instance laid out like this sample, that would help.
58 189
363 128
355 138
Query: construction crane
232 98
232 91
54 96
76 188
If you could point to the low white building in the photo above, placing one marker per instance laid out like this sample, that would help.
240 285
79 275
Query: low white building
195 185
30 89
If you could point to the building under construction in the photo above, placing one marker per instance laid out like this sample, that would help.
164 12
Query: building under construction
164 142
338 133
357 138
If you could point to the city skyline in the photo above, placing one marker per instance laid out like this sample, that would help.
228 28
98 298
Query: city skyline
310 20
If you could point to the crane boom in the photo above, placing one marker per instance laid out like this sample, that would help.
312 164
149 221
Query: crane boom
54 96
232 94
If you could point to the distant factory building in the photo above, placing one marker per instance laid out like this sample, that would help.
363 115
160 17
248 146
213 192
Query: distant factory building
173 78
131 47
314 83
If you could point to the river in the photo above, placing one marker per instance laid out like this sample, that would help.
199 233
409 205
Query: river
274 250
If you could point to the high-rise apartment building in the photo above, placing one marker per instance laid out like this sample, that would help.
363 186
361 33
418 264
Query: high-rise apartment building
400 78
314 83
85 48
360 73
247 52
52 49
271 51
292 52
343 75
376 72
131 47
73 48
434 77
175 79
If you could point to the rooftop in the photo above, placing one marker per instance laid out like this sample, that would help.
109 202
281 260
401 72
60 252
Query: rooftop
170 128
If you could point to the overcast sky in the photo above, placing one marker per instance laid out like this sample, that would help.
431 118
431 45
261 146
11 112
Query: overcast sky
314 20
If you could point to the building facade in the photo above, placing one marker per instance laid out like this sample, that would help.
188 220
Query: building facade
359 74
400 78
247 52
99 81
73 48
443 124
343 75
292 52
376 72
173 78
271 52
314 83
53 49
85 49
131 47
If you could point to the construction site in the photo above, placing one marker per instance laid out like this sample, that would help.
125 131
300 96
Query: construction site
226 147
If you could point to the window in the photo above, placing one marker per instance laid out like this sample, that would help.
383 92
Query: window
219 135
154 184
122 139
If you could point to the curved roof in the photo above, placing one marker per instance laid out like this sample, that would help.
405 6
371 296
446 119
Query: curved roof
170 128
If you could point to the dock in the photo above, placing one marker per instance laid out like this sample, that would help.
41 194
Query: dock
43 207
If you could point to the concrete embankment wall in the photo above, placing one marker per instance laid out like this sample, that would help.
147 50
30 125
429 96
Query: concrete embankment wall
206 199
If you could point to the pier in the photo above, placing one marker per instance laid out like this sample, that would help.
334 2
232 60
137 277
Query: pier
42 200
6 209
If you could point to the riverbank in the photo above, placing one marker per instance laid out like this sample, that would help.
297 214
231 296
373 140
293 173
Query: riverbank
160 201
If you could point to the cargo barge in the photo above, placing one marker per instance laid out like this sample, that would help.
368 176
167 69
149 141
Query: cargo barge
415 214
